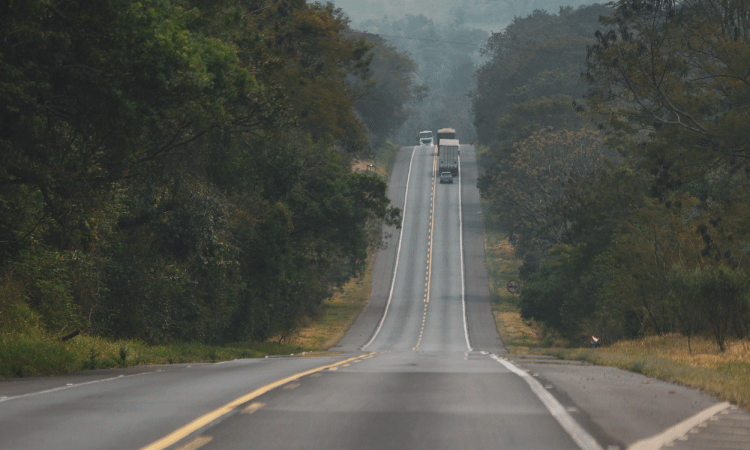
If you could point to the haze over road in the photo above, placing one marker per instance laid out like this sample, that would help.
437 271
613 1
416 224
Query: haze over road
425 375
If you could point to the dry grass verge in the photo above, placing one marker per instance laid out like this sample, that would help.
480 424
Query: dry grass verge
518 335
340 311
725 375
34 352
338 315
702 366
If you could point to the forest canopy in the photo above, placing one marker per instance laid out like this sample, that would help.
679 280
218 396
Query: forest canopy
617 157
181 169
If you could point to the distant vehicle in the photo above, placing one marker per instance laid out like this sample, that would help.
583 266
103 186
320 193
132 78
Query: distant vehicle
446 177
446 133
448 150
424 138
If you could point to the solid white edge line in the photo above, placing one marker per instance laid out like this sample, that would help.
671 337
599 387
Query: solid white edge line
461 250
62 388
670 434
398 255
581 437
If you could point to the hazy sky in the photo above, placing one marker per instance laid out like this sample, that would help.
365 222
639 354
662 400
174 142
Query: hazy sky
366 9
486 14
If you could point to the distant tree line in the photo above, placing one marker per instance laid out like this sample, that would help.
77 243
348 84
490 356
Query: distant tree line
616 152
482 14
180 170
447 55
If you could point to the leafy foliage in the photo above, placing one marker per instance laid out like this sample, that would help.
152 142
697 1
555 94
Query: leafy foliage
637 228
384 106
446 54
677 71
536 59
180 171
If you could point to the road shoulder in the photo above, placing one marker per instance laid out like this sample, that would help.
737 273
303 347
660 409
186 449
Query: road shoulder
623 407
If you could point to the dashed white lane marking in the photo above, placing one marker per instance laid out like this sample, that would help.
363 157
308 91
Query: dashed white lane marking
669 435
580 436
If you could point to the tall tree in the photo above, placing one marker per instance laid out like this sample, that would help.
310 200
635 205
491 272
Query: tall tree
180 170
535 57
677 72
384 102
92 90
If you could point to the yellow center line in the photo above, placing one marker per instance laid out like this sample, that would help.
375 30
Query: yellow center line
429 252
432 228
206 419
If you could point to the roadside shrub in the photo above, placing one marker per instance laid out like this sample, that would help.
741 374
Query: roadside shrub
15 314
685 296
723 293
45 277
710 300
29 355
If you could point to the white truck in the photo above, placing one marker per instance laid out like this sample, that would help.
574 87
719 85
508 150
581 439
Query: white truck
448 151
424 138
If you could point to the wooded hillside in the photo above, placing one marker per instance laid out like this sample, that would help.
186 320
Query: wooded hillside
617 156
180 170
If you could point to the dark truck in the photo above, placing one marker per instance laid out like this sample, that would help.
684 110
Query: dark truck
446 177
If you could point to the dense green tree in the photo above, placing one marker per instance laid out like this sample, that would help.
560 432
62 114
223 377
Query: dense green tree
180 170
677 72
534 190
446 54
664 248
383 105
536 57
91 93
670 80
526 92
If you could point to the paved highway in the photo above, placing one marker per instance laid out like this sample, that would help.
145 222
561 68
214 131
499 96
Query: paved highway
416 382
422 368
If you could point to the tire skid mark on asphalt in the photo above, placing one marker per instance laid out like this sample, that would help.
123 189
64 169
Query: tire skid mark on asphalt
252 407
196 443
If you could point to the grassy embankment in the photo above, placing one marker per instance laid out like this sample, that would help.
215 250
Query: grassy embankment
340 311
39 353
725 375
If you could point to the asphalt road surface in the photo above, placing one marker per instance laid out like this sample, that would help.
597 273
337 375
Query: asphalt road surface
422 368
